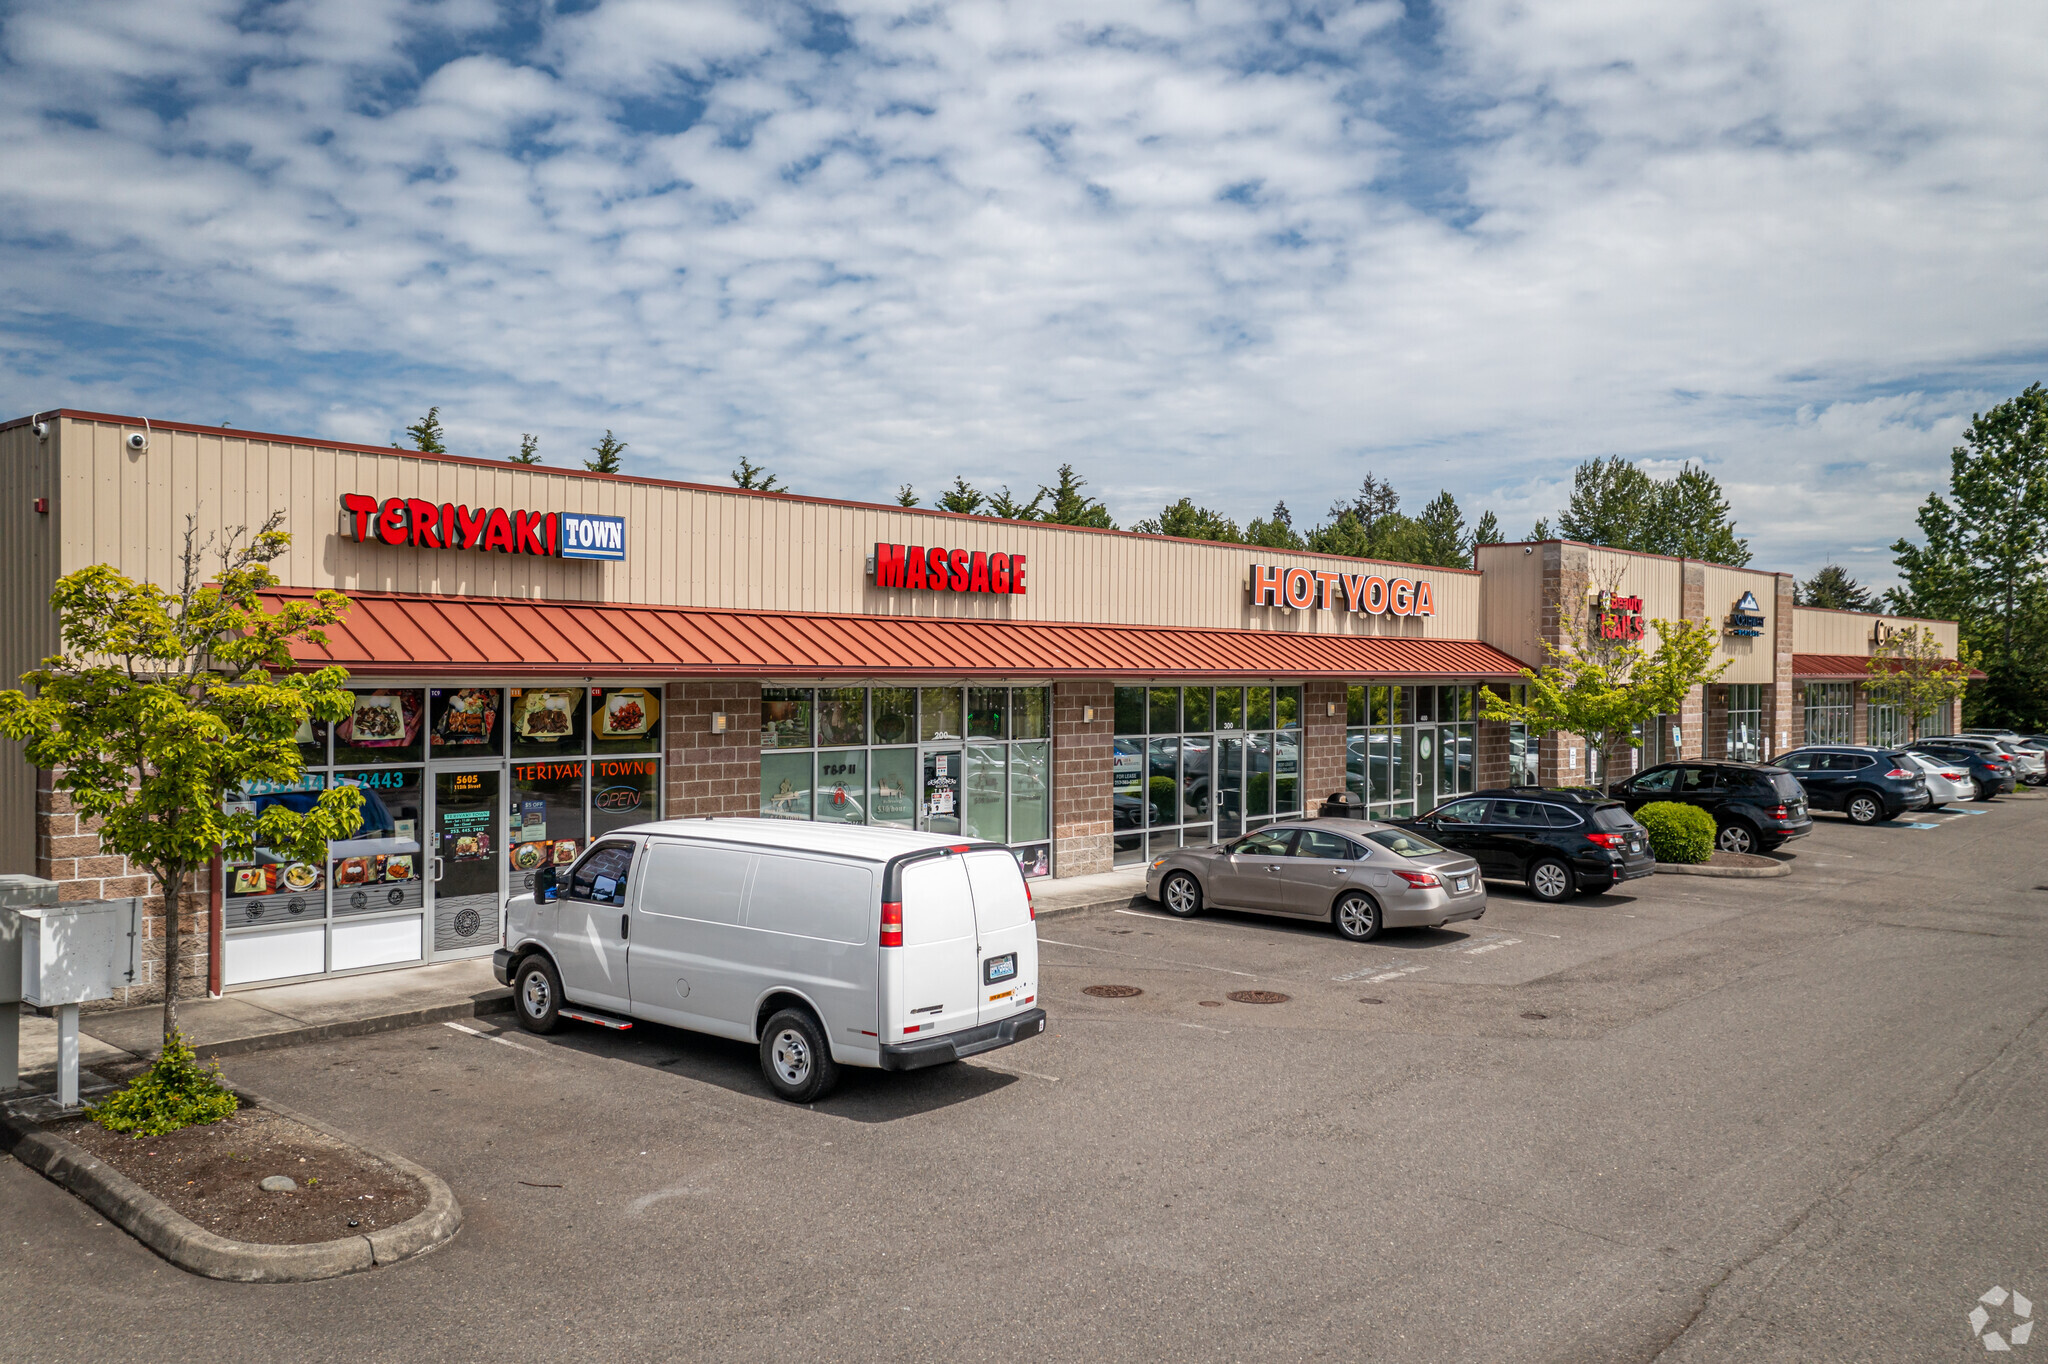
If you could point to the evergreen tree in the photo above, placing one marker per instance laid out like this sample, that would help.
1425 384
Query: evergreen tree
753 477
426 433
1692 521
1375 502
607 452
1008 508
1487 532
1190 522
529 450
1274 532
906 496
1440 531
961 497
1541 530
1070 506
1984 562
1613 503
1834 589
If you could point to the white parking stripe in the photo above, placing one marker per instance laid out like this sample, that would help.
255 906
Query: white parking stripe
492 1037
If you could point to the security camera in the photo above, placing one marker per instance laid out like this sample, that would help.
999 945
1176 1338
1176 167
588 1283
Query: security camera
137 442
41 430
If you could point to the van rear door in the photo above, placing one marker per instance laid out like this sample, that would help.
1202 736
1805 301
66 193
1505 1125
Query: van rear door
1007 970
940 963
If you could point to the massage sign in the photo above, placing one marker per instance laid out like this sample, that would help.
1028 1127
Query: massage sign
415 522
917 568
1370 593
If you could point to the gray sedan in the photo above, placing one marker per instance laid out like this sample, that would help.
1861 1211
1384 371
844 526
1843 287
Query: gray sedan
1945 781
1366 878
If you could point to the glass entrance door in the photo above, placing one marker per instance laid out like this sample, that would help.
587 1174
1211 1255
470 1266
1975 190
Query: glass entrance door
468 851
939 806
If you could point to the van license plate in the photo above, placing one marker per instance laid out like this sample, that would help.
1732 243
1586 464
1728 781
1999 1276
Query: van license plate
999 968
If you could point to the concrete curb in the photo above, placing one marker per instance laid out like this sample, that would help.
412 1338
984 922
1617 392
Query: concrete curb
1117 902
497 1003
191 1247
1760 867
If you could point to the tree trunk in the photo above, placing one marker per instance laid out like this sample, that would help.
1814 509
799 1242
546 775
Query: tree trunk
173 935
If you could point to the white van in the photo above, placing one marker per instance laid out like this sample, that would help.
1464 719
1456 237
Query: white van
827 945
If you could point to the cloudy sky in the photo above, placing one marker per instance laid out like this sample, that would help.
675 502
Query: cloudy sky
1241 251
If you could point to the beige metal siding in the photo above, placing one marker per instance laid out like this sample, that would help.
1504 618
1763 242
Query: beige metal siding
28 632
685 546
1816 630
1753 657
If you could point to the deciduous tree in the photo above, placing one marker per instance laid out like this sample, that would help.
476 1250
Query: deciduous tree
1909 672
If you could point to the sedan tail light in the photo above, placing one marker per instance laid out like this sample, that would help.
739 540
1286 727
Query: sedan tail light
1956 776
1421 880
1611 842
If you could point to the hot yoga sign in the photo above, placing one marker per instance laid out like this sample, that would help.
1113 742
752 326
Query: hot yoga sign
1373 594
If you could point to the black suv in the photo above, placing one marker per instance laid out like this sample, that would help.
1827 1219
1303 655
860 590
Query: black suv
1866 784
1756 806
1559 842
1990 771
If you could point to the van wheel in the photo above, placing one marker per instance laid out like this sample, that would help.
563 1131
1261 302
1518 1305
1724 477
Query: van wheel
796 1059
1863 808
1182 895
1550 880
537 995
1737 838
1357 917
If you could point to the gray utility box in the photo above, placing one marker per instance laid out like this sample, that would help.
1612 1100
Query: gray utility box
17 892
68 952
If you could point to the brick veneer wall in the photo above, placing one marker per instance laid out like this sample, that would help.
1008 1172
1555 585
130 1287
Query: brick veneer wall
1081 777
1784 718
1715 730
1692 713
1322 741
1490 748
713 774
68 852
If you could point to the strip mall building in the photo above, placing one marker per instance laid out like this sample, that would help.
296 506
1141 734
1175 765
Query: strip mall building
542 655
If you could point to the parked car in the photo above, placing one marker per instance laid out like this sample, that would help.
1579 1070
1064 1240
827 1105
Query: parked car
1558 842
1363 878
1756 806
827 945
1867 784
2029 764
1945 781
1990 772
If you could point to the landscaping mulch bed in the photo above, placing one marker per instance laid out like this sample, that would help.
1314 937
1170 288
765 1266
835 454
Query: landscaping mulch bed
210 1175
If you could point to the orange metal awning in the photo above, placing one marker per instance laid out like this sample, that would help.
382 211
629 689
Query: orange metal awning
406 634
1840 667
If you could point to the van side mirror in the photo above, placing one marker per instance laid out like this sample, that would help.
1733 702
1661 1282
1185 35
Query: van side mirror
544 886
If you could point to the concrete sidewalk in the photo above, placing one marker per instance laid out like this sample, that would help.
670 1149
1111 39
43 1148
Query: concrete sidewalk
344 1006
312 1011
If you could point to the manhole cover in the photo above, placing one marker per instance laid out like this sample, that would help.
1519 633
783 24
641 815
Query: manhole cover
1533 1014
1112 991
1210 1003
1368 999
1256 997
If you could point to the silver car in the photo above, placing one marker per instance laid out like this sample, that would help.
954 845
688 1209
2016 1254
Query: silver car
1945 782
2029 765
1368 877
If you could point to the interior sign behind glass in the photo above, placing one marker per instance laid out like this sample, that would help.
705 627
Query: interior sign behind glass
422 524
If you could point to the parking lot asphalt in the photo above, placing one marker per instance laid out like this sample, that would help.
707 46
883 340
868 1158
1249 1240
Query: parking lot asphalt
1790 1119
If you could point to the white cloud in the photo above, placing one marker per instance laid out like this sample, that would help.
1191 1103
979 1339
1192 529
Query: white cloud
1236 250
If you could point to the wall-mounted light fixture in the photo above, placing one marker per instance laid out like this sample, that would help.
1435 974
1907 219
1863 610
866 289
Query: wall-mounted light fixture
718 722
1330 708
1087 715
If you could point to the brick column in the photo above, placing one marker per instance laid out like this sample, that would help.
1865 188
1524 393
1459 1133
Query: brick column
1322 742
1859 715
713 774
1567 573
1692 714
1714 733
1490 749
1784 721
1081 775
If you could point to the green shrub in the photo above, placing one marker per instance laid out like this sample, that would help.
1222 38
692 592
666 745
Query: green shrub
1678 833
176 1091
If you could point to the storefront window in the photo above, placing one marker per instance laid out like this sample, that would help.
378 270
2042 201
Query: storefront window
843 785
1195 709
938 713
1746 722
625 720
1258 708
987 708
268 888
1165 710
842 716
988 794
1031 712
1828 708
1229 708
378 868
544 812
623 791
1888 725
383 726
786 785
895 714
895 787
463 722
548 722
1287 707
1130 710
1030 792
312 741
785 717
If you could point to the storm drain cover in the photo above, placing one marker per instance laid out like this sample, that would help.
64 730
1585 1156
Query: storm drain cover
1368 999
1112 991
1256 997
1210 1003
1533 1014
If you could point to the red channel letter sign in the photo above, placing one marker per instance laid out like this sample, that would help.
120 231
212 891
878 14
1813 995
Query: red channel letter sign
919 569
1371 593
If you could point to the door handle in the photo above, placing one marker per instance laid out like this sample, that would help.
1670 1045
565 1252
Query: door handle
437 869
622 927
1340 871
